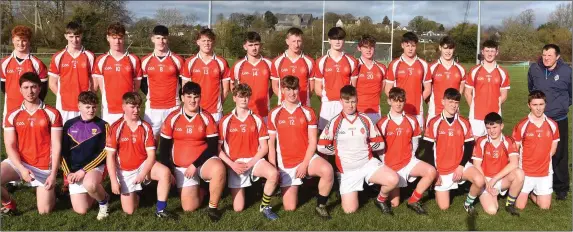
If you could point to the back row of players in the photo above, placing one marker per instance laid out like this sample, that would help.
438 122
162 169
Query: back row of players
189 134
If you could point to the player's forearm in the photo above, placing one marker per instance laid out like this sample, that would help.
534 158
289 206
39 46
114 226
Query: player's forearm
262 151
111 165
462 87
554 147
272 150
96 84
309 153
469 96
353 81
56 149
503 96
149 162
311 85
387 89
53 84
318 88
275 86
427 90
225 158
12 149
506 170
226 88
136 85
477 165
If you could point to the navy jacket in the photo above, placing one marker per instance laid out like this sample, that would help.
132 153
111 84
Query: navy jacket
83 144
555 84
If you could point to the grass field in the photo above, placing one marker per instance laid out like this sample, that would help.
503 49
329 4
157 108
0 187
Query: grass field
366 218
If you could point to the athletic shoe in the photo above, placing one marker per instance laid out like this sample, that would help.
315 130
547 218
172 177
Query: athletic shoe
322 212
384 207
8 209
417 207
512 210
470 210
561 195
214 214
164 214
103 212
268 213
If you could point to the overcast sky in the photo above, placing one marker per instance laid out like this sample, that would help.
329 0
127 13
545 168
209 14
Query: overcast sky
448 13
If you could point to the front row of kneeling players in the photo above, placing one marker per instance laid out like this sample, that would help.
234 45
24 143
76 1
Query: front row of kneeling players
234 152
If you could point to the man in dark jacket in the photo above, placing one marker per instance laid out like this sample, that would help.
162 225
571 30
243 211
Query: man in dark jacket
552 75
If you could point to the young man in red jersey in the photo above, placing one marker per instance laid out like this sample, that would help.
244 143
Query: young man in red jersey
294 62
497 158
32 135
292 146
210 71
537 136
115 73
399 131
370 80
255 71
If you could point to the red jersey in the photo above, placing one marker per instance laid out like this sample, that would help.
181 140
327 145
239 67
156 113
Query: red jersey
33 133
493 158
10 74
302 67
291 129
131 146
210 77
448 141
335 74
536 142
189 135
369 85
442 79
486 87
73 74
163 80
411 78
257 76
241 137
117 79
398 134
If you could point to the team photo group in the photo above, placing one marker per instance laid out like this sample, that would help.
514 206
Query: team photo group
183 139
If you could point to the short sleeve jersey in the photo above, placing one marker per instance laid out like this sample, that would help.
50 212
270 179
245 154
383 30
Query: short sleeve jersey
494 158
210 76
302 67
33 133
131 146
411 78
73 75
291 130
486 87
536 142
369 86
335 74
257 76
448 141
241 137
442 79
163 80
398 134
117 77
10 72
189 135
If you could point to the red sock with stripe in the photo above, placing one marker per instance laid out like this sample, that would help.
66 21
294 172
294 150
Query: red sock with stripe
415 197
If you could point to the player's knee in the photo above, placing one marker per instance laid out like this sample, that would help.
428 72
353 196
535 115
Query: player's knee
190 207
81 211
479 181
91 187
395 203
392 180
544 205
519 175
129 211
273 175
444 206
326 172
490 210
44 210
349 209
238 208
431 173
289 206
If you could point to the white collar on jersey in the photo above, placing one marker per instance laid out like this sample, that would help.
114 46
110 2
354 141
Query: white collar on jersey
442 62
361 61
185 115
403 115
166 55
456 116
295 59
403 60
234 112
42 105
201 58
530 118
489 140
29 56
255 64
124 54
82 50
341 56
284 107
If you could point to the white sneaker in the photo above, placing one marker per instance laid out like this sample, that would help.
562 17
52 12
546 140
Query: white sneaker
103 212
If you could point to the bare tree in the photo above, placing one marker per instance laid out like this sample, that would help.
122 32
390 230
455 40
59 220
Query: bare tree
172 16
562 16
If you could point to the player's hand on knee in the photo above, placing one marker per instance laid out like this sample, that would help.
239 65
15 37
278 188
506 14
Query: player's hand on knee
139 178
490 187
50 181
190 171
115 187
438 181
301 170
239 167
27 175
458 173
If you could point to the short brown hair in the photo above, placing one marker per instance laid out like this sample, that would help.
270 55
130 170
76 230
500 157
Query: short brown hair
397 94
536 94
367 41
74 28
294 31
30 77
131 98
242 90
347 92
22 31
88 98
206 32
290 82
116 29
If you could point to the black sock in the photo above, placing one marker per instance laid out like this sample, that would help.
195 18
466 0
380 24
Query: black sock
321 200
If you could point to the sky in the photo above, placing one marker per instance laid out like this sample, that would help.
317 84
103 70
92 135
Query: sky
448 13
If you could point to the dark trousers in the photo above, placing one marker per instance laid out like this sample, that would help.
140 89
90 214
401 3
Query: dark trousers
561 158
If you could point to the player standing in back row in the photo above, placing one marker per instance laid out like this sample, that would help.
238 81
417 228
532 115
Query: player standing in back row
370 80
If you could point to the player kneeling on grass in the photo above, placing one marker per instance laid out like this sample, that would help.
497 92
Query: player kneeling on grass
537 135
496 157
450 150
130 143
401 133
244 144
83 156
352 137
32 135
293 132
189 137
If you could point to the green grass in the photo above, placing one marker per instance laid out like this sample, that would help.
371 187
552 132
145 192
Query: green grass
367 218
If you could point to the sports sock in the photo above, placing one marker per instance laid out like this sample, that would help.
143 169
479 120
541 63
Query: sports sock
321 200
510 200
415 197
469 200
266 200
161 205
11 204
104 200
381 198
212 205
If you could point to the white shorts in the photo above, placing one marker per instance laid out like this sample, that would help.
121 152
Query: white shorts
478 127
497 186
448 182
67 115
40 175
77 188
374 117
217 117
352 181
183 181
244 180
404 173
539 185
155 117
110 118
126 180
288 175
328 110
